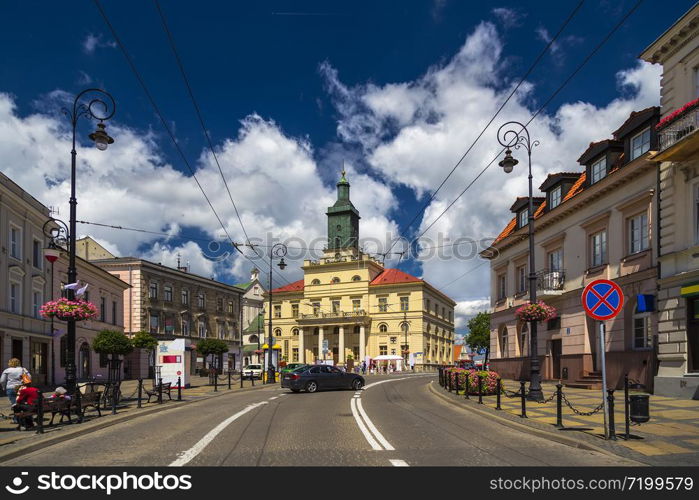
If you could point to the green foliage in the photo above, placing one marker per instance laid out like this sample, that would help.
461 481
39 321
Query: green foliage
479 328
112 342
144 340
207 347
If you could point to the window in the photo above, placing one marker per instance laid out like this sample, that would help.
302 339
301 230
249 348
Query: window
201 301
640 144
555 197
103 309
335 306
599 248
521 279
393 352
114 312
503 343
393 340
185 326
383 328
638 233
36 254
104 359
554 324
36 303
256 290
555 260
316 330
15 297
598 170
153 291
315 282
427 305
185 297
444 312
15 242
383 304
436 309
219 304
231 309
167 290
642 333
524 340
335 280
295 354
154 323
316 308
221 331
294 310
404 303
356 305
202 329
383 350
450 317
502 289
295 331
356 278
278 311
523 218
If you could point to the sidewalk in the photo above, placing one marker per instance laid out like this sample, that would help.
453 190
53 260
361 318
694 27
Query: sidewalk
12 441
671 437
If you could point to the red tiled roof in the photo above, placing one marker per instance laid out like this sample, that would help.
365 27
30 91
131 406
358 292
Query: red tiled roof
577 187
391 276
296 286
507 231
457 351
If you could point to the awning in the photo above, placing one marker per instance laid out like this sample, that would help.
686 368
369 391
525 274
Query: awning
249 348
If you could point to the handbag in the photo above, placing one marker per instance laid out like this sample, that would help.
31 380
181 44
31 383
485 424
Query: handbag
26 378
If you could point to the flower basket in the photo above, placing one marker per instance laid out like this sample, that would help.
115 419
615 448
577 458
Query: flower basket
678 113
489 380
536 312
65 309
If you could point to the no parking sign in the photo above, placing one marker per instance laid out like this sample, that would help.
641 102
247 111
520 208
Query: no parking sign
602 299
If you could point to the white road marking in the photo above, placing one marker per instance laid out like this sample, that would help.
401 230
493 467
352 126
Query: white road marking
370 439
275 397
399 463
383 382
372 427
186 456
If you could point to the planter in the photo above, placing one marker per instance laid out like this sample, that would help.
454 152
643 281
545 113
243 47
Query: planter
489 380
64 310
536 312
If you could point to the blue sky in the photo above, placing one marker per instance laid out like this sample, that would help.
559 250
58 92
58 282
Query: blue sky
290 89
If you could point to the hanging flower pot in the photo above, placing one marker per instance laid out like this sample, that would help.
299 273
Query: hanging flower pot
65 309
536 312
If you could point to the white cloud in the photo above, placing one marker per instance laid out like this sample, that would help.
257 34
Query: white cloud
510 18
92 42
466 309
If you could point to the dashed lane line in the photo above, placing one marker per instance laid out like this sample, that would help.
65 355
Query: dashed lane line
399 463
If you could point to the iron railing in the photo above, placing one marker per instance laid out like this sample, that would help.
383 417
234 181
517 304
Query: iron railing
678 129
547 279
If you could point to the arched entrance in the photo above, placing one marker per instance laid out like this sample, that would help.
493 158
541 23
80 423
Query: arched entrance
84 361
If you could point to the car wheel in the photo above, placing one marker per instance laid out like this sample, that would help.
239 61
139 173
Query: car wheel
357 384
312 386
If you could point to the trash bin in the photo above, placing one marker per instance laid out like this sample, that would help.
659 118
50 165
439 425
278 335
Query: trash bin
639 408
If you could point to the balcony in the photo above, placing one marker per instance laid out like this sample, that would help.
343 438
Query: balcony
679 141
339 317
550 283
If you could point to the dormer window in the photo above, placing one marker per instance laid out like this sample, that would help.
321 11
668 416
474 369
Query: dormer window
640 143
555 197
598 170
523 218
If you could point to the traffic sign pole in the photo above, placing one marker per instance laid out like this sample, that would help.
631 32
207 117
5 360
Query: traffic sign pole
602 343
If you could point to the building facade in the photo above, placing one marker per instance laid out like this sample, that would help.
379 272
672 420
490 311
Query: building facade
598 223
677 50
361 311
174 303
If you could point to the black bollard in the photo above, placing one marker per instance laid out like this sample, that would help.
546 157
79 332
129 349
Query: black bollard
480 390
115 389
229 379
179 388
626 406
523 395
160 392
39 414
559 405
456 383
140 392
467 389
498 391
215 381
241 378
252 378
610 399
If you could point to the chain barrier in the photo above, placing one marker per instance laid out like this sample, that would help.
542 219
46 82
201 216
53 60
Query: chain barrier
581 413
510 394
548 400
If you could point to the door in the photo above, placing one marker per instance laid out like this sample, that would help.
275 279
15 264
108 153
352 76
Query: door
693 334
332 377
17 350
84 361
556 349
39 361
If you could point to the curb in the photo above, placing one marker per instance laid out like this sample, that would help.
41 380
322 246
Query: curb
565 440
104 422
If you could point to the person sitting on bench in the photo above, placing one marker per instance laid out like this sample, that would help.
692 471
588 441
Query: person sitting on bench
27 397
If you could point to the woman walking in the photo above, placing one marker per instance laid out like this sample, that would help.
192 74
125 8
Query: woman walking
12 378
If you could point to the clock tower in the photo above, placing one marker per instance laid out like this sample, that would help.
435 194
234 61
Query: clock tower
343 220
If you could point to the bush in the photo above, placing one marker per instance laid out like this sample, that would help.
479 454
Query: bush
489 379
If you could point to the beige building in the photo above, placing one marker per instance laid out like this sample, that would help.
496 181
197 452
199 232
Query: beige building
598 223
174 303
348 301
677 50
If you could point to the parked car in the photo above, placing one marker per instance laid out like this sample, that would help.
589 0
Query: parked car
290 367
312 378
255 369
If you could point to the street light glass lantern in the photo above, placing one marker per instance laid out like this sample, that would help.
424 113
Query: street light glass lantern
282 264
508 163
101 138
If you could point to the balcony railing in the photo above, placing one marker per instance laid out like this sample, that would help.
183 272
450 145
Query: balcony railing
678 129
338 314
550 280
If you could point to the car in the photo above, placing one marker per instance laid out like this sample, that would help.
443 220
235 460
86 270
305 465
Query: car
290 367
311 378
255 369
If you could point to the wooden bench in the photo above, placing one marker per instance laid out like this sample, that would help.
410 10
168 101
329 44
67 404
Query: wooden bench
54 406
166 388
89 399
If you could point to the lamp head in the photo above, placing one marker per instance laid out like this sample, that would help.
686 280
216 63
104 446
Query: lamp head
101 138
282 264
51 254
508 163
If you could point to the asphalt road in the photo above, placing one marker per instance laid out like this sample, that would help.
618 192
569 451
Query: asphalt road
394 421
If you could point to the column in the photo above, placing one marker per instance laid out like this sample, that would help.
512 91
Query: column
320 342
302 349
362 344
341 347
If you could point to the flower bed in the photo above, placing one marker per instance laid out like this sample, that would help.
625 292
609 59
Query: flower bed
489 379
536 312
678 113
65 309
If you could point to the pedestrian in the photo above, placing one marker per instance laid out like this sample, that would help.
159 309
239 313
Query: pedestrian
27 396
363 367
12 378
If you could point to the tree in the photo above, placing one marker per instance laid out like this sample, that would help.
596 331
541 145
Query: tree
211 347
114 344
479 334
146 341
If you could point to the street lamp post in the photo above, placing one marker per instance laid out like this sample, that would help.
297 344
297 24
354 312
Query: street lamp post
277 251
405 348
509 137
101 108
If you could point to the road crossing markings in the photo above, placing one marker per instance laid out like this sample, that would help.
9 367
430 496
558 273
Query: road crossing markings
187 456
399 463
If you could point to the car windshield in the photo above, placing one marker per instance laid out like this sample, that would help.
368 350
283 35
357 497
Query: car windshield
253 367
